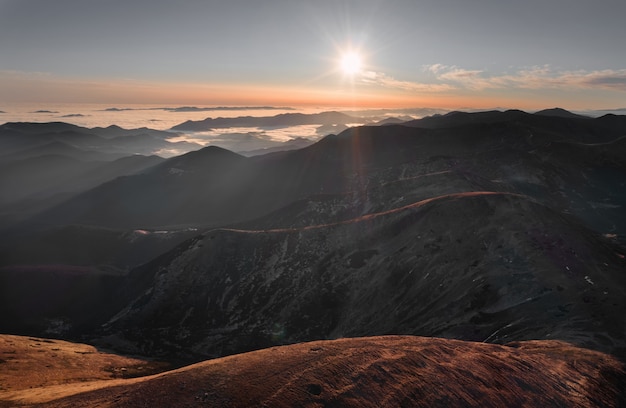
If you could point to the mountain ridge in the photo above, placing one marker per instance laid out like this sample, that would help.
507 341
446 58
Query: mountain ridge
333 281
560 112
280 120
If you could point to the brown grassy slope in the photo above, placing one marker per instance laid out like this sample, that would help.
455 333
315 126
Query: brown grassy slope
378 372
41 369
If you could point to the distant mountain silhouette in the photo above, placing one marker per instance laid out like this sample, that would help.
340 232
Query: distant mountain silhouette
457 118
390 121
579 128
38 128
61 149
116 131
293 144
113 140
277 121
561 113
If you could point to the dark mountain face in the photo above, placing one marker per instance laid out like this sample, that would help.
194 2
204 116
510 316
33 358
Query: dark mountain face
483 227
558 112
55 300
85 246
552 126
480 266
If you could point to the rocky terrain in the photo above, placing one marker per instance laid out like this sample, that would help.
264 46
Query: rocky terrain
431 268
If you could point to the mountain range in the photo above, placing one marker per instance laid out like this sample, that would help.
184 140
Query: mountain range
268 122
112 140
492 227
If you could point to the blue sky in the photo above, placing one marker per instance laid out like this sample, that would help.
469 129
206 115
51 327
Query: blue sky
450 53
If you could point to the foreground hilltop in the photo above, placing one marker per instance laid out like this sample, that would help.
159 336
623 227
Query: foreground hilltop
361 372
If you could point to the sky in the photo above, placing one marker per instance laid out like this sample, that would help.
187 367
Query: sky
413 53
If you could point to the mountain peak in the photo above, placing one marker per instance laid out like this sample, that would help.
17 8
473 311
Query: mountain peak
560 113
200 159
39 127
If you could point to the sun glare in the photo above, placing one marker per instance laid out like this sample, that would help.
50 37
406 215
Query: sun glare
350 63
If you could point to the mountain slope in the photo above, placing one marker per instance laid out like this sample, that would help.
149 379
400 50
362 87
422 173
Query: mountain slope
36 370
58 148
480 153
476 266
177 191
34 184
367 372
46 175
213 187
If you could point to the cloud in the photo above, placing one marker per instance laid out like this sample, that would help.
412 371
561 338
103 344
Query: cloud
608 79
449 78
471 79
538 77
381 79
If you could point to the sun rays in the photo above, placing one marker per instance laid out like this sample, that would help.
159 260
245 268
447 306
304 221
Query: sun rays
351 63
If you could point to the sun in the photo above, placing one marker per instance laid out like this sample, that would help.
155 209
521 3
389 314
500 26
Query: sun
350 63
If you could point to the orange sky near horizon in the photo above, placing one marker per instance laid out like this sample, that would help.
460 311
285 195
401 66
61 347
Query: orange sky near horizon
45 88
49 89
